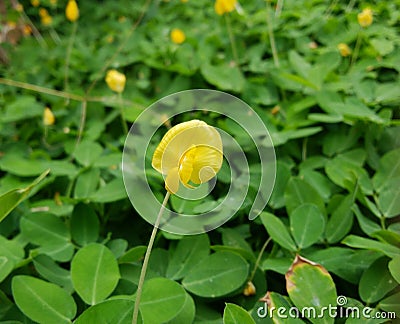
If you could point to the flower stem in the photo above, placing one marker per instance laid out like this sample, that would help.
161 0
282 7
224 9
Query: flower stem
253 273
68 57
232 39
121 108
271 36
146 259
356 49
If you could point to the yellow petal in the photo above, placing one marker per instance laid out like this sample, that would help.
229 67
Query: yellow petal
72 10
207 162
172 181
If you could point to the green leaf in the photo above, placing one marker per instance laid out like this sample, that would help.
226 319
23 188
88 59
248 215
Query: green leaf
84 225
333 259
364 243
133 255
307 224
299 192
162 300
341 221
283 173
310 285
278 231
112 191
391 304
41 301
187 313
86 152
94 273
320 182
394 268
367 225
217 275
116 311
233 238
11 199
22 108
51 271
50 232
225 77
376 281
389 198
10 254
234 314
189 252
86 184
389 168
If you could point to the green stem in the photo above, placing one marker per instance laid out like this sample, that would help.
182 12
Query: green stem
232 39
68 56
383 225
121 108
253 273
356 49
271 36
146 260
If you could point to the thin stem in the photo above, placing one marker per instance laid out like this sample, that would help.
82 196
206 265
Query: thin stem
271 36
121 108
383 224
68 56
253 273
279 6
35 31
356 49
232 39
81 126
146 259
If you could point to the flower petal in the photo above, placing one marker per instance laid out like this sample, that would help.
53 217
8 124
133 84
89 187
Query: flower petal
206 164
172 181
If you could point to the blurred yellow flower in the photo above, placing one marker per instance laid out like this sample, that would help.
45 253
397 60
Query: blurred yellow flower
27 30
53 2
48 117
224 6
35 3
344 49
177 36
19 7
46 20
184 1
115 80
188 152
43 12
365 17
72 11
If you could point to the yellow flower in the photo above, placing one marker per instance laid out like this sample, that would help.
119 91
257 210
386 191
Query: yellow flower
115 80
344 50
183 1
43 12
53 2
48 117
224 6
27 30
365 17
19 7
47 20
72 11
35 3
177 36
188 152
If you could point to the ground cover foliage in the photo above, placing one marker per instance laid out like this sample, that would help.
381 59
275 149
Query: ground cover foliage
71 243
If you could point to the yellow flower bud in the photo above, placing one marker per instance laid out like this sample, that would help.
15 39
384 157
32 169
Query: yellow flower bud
115 80
19 7
48 117
27 30
72 11
35 3
344 50
224 6
365 17
177 36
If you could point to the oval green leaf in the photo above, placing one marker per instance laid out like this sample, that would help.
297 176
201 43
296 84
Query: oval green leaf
278 231
217 275
42 301
307 224
234 314
94 273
